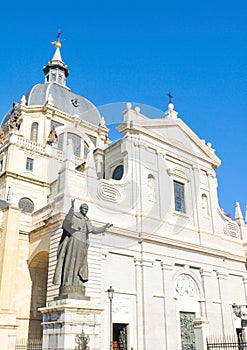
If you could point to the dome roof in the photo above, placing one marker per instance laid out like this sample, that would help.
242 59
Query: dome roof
63 99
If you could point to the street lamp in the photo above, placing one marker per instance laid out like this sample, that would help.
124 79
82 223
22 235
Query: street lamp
110 292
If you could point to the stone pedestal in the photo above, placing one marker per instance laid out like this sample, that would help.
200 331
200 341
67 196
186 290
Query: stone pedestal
201 333
65 319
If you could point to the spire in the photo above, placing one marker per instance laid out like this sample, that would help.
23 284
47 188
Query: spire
238 214
56 71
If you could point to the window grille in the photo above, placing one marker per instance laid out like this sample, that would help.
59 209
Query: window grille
26 205
29 164
179 197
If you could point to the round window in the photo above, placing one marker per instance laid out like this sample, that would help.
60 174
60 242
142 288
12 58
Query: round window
26 205
118 172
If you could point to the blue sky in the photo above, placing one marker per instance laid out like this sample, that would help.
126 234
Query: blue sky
138 51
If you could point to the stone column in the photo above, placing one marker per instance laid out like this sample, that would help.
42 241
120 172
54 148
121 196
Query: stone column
205 275
201 333
66 319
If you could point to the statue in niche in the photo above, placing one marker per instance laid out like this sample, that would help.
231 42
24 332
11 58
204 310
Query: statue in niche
2 137
151 188
72 267
52 137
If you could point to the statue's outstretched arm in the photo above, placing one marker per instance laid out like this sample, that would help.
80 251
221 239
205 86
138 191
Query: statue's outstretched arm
96 230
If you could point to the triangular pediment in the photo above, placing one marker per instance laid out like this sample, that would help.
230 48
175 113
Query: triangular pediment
176 133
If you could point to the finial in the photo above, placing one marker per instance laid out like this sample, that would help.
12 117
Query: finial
50 99
58 42
102 122
128 106
238 214
170 113
170 97
23 101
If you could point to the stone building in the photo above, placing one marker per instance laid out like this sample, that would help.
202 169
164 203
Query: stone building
176 261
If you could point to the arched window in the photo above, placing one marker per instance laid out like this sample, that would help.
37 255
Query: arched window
76 142
118 172
34 132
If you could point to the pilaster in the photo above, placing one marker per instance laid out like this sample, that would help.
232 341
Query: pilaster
170 316
222 288
8 266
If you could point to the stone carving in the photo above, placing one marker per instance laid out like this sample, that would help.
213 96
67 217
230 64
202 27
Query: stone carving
109 192
231 229
204 202
186 286
72 267
13 122
2 137
52 137
151 188
120 306
75 102
82 340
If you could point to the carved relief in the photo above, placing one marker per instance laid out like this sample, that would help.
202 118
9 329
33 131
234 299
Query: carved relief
109 192
230 228
186 286
121 306
2 137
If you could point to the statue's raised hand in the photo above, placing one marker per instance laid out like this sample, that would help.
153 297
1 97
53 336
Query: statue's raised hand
108 225
72 203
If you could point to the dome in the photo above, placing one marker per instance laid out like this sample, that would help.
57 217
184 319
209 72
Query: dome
63 99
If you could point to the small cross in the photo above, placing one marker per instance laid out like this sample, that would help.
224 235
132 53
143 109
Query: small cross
170 97
59 34
58 42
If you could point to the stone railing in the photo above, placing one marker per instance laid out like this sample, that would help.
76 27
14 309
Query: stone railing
30 145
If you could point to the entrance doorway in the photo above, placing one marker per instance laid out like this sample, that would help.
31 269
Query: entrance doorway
120 336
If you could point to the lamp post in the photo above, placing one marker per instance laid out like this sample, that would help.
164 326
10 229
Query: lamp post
110 292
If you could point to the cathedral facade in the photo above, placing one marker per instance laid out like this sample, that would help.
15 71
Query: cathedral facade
175 260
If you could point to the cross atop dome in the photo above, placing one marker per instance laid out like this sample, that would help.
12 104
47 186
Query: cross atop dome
58 42
56 70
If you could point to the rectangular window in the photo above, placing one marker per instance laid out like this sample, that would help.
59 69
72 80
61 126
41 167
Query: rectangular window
179 197
29 164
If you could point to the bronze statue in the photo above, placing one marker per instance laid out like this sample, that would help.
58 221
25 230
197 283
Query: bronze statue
72 267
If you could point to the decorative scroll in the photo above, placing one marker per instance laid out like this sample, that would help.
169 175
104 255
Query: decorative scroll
109 192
